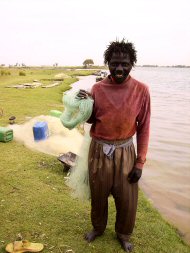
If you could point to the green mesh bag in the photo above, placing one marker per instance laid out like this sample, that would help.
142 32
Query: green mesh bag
76 110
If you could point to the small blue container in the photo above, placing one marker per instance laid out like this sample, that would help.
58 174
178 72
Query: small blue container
40 131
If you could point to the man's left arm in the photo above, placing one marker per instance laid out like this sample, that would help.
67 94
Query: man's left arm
143 131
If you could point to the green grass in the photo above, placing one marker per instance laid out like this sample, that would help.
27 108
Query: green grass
36 204
24 103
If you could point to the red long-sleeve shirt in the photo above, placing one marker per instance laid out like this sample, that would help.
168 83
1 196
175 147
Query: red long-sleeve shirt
120 111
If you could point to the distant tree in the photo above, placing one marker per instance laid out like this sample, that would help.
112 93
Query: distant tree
88 62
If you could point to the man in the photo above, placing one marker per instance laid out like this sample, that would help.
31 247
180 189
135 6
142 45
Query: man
121 109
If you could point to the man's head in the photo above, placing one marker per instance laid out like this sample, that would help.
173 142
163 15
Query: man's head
120 57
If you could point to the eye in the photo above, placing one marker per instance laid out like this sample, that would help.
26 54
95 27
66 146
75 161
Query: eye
125 64
113 64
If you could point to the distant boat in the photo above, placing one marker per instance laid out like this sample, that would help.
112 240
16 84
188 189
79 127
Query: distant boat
102 74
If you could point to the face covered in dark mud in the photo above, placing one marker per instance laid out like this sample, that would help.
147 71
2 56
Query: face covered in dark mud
119 67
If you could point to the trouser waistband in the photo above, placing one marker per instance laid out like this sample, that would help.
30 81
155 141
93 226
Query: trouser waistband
109 147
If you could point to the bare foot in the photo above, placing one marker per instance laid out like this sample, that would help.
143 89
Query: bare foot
91 236
127 246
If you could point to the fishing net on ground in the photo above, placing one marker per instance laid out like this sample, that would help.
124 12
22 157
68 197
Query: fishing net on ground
77 111
78 179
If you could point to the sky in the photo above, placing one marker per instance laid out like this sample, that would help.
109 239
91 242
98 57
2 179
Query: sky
45 32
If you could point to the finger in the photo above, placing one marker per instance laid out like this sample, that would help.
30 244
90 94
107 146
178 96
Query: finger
135 180
130 174
81 94
131 180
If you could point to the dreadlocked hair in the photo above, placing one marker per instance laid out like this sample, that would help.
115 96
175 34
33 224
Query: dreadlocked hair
120 47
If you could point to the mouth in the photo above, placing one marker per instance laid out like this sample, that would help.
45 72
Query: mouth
119 76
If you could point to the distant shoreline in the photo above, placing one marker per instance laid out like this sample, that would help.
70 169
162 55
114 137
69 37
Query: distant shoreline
158 66
90 68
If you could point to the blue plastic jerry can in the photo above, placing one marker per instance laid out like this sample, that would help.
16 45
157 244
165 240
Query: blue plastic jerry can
40 131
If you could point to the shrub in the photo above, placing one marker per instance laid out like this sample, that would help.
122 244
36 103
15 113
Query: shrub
22 73
2 72
5 73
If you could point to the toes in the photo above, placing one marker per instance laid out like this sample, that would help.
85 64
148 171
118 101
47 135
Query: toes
86 238
128 247
91 236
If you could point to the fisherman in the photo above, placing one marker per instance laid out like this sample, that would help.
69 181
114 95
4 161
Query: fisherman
121 110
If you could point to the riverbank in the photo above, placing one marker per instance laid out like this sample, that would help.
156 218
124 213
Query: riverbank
37 205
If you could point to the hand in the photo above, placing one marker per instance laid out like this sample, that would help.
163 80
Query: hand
134 175
83 94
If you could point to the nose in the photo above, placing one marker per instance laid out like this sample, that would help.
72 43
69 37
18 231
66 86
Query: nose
119 68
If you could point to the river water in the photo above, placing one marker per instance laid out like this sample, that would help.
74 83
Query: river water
166 176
